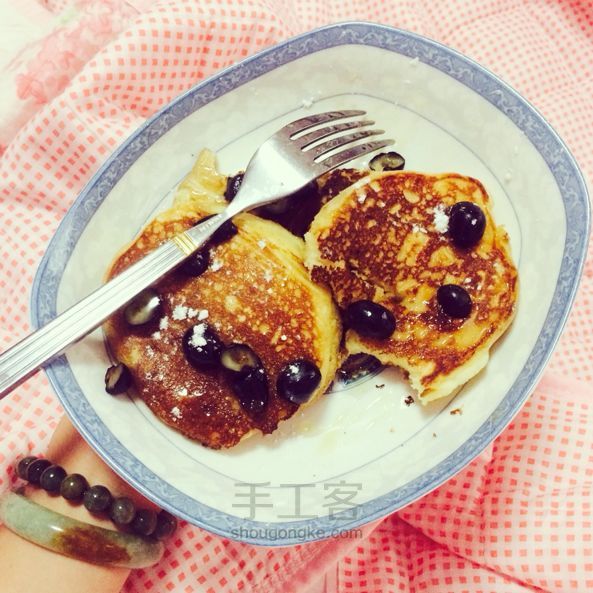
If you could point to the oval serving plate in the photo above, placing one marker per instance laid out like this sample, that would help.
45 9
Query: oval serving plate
361 452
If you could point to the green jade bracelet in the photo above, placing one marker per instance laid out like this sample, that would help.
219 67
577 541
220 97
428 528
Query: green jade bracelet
74 538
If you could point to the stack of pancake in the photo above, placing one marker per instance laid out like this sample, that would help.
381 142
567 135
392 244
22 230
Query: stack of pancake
371 236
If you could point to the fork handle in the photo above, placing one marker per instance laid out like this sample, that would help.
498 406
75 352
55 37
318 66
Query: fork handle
24 358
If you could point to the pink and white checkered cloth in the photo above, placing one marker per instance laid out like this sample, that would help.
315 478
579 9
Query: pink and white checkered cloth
519 518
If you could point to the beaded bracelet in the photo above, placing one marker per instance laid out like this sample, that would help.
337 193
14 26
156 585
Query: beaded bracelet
96 499
73 538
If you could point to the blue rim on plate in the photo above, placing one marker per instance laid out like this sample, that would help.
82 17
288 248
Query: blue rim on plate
556 155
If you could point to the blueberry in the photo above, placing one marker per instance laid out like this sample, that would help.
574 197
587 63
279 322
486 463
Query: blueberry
144 308
370 319
387 161
239 358
278 207
454 301
252 390
225 232
197 263
233 184
357 366
118 379
201 345
466 224
298 380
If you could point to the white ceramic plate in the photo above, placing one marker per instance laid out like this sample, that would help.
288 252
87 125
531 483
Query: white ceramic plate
360 453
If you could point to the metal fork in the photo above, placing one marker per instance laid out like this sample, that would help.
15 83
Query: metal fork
283 164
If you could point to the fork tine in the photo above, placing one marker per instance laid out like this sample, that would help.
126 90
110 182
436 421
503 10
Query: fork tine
341 141
300 125
307 139
352 153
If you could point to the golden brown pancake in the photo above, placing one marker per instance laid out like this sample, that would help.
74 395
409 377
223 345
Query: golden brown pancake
384 239
255 292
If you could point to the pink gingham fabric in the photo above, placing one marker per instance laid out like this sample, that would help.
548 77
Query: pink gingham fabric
519 518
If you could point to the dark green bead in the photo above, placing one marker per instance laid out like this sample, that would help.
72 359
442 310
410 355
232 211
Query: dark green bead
73 487
122 510
23 464
144 522
166 524
35 469
97 499
52 477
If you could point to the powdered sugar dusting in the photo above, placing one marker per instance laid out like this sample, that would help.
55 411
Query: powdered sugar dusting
197 338
179 312
441 220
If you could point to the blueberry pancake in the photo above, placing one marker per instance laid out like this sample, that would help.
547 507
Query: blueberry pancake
422 274
236 339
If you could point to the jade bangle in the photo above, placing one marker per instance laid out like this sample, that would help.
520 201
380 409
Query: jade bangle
74 538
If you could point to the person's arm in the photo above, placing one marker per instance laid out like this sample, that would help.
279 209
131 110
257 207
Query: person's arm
26 567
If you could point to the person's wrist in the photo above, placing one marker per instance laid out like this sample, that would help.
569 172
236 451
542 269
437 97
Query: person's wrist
69 450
